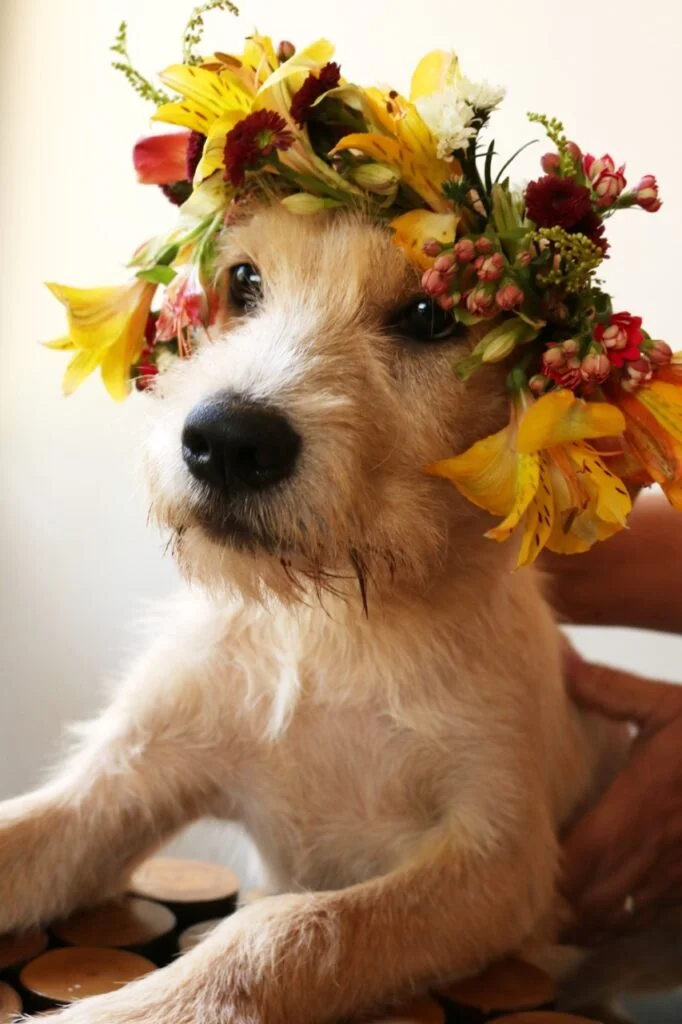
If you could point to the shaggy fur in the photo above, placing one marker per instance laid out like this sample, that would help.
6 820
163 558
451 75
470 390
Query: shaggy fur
359 677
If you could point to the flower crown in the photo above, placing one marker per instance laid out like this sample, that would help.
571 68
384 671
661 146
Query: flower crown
284 126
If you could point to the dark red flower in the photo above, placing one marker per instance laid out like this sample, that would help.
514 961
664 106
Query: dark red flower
557 202
256 136
592 226
315 85
195 149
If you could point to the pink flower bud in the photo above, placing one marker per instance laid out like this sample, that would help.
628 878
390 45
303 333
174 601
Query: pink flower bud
285 51
434 283
660 353
538 384
594 167
573 149
509 296
596 367
525 257
484 245
480 302
614 336
608 186
444 263
431 247
570 347
489 268
639 370
551 163
448 302
570 377
553 358
646 194
464 250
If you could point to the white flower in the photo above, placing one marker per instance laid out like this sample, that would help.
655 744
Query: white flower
449 117
480 95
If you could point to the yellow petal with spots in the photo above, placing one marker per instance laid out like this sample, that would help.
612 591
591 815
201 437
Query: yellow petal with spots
664 402
400 158
434 72
185 115
539 519
484 473
527 483
260 57
560 417
610 497
212 92
413 228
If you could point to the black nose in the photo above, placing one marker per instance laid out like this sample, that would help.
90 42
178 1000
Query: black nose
237 447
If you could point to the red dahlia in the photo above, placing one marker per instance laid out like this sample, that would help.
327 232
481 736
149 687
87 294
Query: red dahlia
557 202
252 139
315 85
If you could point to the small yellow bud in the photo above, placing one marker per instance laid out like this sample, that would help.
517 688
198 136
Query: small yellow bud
305 204
376 178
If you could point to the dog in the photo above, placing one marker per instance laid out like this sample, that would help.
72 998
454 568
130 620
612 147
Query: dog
355 674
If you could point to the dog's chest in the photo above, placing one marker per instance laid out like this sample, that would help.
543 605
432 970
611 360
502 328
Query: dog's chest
340 796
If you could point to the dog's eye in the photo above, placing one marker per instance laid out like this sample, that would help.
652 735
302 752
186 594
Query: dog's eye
425 321
246 286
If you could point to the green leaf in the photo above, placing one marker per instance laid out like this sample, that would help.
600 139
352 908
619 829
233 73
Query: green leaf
513 157
488 165
463 316
160 274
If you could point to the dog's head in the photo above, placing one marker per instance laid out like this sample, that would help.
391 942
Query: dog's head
291 446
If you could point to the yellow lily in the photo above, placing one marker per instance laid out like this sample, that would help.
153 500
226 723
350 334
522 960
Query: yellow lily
540 475
653 433
106 329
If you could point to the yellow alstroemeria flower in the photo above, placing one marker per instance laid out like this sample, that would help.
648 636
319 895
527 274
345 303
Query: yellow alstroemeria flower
653 428
106 329
540 475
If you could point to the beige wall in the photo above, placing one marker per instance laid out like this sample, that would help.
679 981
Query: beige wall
77 562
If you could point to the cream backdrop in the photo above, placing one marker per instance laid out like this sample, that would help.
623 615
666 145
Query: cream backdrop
78 563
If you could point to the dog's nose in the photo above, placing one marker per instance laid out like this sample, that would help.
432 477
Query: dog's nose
237 447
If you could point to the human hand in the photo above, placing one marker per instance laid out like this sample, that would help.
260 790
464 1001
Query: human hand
624 857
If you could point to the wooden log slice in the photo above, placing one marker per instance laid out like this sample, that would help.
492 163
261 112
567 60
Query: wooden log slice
194 890
507 986
63 976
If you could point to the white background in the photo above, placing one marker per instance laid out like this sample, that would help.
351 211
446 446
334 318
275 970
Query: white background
77 563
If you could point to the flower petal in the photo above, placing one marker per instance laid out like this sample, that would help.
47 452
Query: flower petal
213 156
303 61
211 92
559 417
434 72
185 115
664 402
413 228
527 483
484 473
161 159
539 519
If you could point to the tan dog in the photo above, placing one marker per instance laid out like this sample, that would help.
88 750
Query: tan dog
361 679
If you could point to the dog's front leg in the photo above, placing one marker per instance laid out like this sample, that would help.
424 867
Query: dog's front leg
317 957
139 775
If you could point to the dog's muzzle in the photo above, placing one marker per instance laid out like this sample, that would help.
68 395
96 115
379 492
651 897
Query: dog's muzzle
237 448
